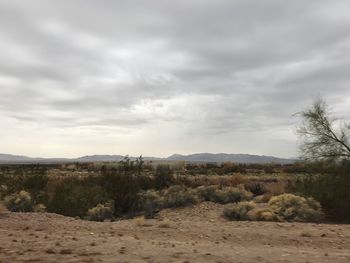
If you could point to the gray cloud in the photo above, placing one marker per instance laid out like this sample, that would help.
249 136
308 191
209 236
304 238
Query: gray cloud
223 71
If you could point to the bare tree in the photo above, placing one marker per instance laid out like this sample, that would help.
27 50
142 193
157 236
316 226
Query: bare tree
321 138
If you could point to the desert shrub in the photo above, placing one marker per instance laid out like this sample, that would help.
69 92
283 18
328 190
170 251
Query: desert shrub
276 188
228 167
3 191
285 207
39 208
35 183
330 189
73 196
224 180
101 212
239 211
261 214
257 188
145 182
19 202
237 179
30 178
128 166
289 207
150 202
123 189
163 176
224 195
13 183
208 193
262 198
177 195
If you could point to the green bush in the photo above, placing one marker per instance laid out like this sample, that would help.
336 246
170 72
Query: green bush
289 207
19 202
101 212
239 211
178 195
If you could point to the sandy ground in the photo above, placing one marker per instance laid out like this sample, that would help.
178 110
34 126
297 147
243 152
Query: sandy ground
193 234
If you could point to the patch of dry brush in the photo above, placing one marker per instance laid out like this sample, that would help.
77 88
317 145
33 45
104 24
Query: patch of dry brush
285 207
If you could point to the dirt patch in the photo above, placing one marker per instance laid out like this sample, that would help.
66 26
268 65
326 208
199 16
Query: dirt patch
192 234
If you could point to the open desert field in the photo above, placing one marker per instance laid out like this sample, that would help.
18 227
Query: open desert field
175 131
191 234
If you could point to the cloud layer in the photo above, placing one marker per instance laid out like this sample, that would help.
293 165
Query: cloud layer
157 77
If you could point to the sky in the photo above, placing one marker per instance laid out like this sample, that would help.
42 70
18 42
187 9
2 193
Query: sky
83 77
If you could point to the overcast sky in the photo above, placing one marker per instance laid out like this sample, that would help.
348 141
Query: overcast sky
162 77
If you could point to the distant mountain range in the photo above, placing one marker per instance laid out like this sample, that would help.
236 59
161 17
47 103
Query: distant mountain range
195 158
228 157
